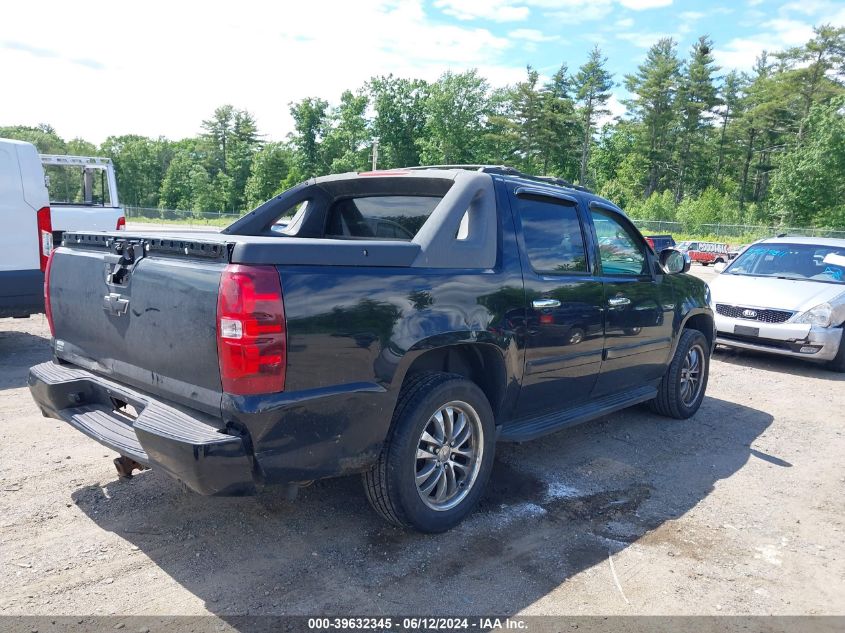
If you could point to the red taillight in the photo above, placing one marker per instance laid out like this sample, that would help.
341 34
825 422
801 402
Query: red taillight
48 309
251 336
121 224
45 236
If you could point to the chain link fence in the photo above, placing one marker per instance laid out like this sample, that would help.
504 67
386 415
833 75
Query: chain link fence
152 215
728 232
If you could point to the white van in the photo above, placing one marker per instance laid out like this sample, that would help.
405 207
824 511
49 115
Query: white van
26 232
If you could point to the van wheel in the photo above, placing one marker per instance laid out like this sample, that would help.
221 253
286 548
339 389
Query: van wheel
438 455
682 389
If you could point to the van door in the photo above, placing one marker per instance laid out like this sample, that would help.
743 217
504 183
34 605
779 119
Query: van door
19 236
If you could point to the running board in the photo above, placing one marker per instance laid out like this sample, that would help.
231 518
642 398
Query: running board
532 428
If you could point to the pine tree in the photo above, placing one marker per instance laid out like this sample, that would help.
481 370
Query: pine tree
696 99
655 87
592 84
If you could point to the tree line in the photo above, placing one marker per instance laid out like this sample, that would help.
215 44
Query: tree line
695 144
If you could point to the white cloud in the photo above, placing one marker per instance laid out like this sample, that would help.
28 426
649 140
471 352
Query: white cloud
172 63
532 35
495 10
642 39
640 5
741 53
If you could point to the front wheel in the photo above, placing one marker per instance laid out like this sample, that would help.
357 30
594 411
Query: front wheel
838 362
438 456
683 385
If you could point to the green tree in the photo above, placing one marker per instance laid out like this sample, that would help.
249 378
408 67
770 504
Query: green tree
456 108
269 169
400 118
654 88
593 84
695 101
309 121
140 164
347 141
809 187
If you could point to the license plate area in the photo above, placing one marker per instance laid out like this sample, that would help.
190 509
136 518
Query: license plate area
744 330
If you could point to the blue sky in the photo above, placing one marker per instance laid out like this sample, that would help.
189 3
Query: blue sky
160 67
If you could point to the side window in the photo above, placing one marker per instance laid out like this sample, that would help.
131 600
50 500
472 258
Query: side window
553 239
621 253
384 217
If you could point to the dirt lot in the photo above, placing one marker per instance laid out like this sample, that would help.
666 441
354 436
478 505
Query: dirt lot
737 511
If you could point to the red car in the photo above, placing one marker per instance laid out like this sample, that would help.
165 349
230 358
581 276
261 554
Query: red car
706 253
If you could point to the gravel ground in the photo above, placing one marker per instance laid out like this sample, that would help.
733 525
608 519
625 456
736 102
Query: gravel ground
736 511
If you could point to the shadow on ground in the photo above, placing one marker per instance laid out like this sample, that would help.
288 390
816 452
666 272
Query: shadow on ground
554 507
772 362
18 352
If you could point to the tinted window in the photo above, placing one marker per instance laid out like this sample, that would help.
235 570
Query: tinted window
552 233
621 253
380 217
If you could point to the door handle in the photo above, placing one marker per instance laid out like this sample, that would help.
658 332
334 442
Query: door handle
618 301
545 303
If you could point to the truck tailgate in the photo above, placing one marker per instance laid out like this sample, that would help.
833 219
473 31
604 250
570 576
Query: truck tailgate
143 311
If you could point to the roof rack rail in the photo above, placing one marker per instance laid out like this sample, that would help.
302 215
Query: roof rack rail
505 170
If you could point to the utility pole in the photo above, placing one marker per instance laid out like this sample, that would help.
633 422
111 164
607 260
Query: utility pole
375 153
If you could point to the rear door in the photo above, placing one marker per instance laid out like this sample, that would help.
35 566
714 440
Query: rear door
19 242
563 302
639 306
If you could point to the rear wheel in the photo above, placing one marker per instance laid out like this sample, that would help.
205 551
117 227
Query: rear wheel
438 455
682 389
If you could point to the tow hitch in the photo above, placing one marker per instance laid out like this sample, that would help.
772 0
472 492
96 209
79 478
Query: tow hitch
125 466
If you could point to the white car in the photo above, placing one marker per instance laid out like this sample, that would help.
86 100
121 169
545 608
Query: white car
784 296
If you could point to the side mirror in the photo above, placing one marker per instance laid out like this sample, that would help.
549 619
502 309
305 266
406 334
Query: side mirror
720 267
674 261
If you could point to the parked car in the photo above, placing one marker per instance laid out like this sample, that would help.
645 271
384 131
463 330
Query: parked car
785 296
705 253
32 223
659 243
251 357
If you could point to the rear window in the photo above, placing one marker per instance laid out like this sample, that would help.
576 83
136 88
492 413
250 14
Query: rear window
380 217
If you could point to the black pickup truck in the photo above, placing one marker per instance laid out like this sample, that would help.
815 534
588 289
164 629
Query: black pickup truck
396 324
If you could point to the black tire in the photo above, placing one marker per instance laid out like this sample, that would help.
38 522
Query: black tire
391 485
838 362
670 399
719 261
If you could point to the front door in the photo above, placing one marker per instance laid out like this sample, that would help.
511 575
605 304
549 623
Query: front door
639 306
564 303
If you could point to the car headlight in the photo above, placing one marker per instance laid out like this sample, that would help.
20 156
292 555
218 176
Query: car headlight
708 296
827 314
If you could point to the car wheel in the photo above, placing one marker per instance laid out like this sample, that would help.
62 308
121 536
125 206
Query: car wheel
682 388
438 455
719 261
838 362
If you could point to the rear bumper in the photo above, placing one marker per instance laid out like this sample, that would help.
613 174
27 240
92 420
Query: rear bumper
21 293
784 339
188 448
